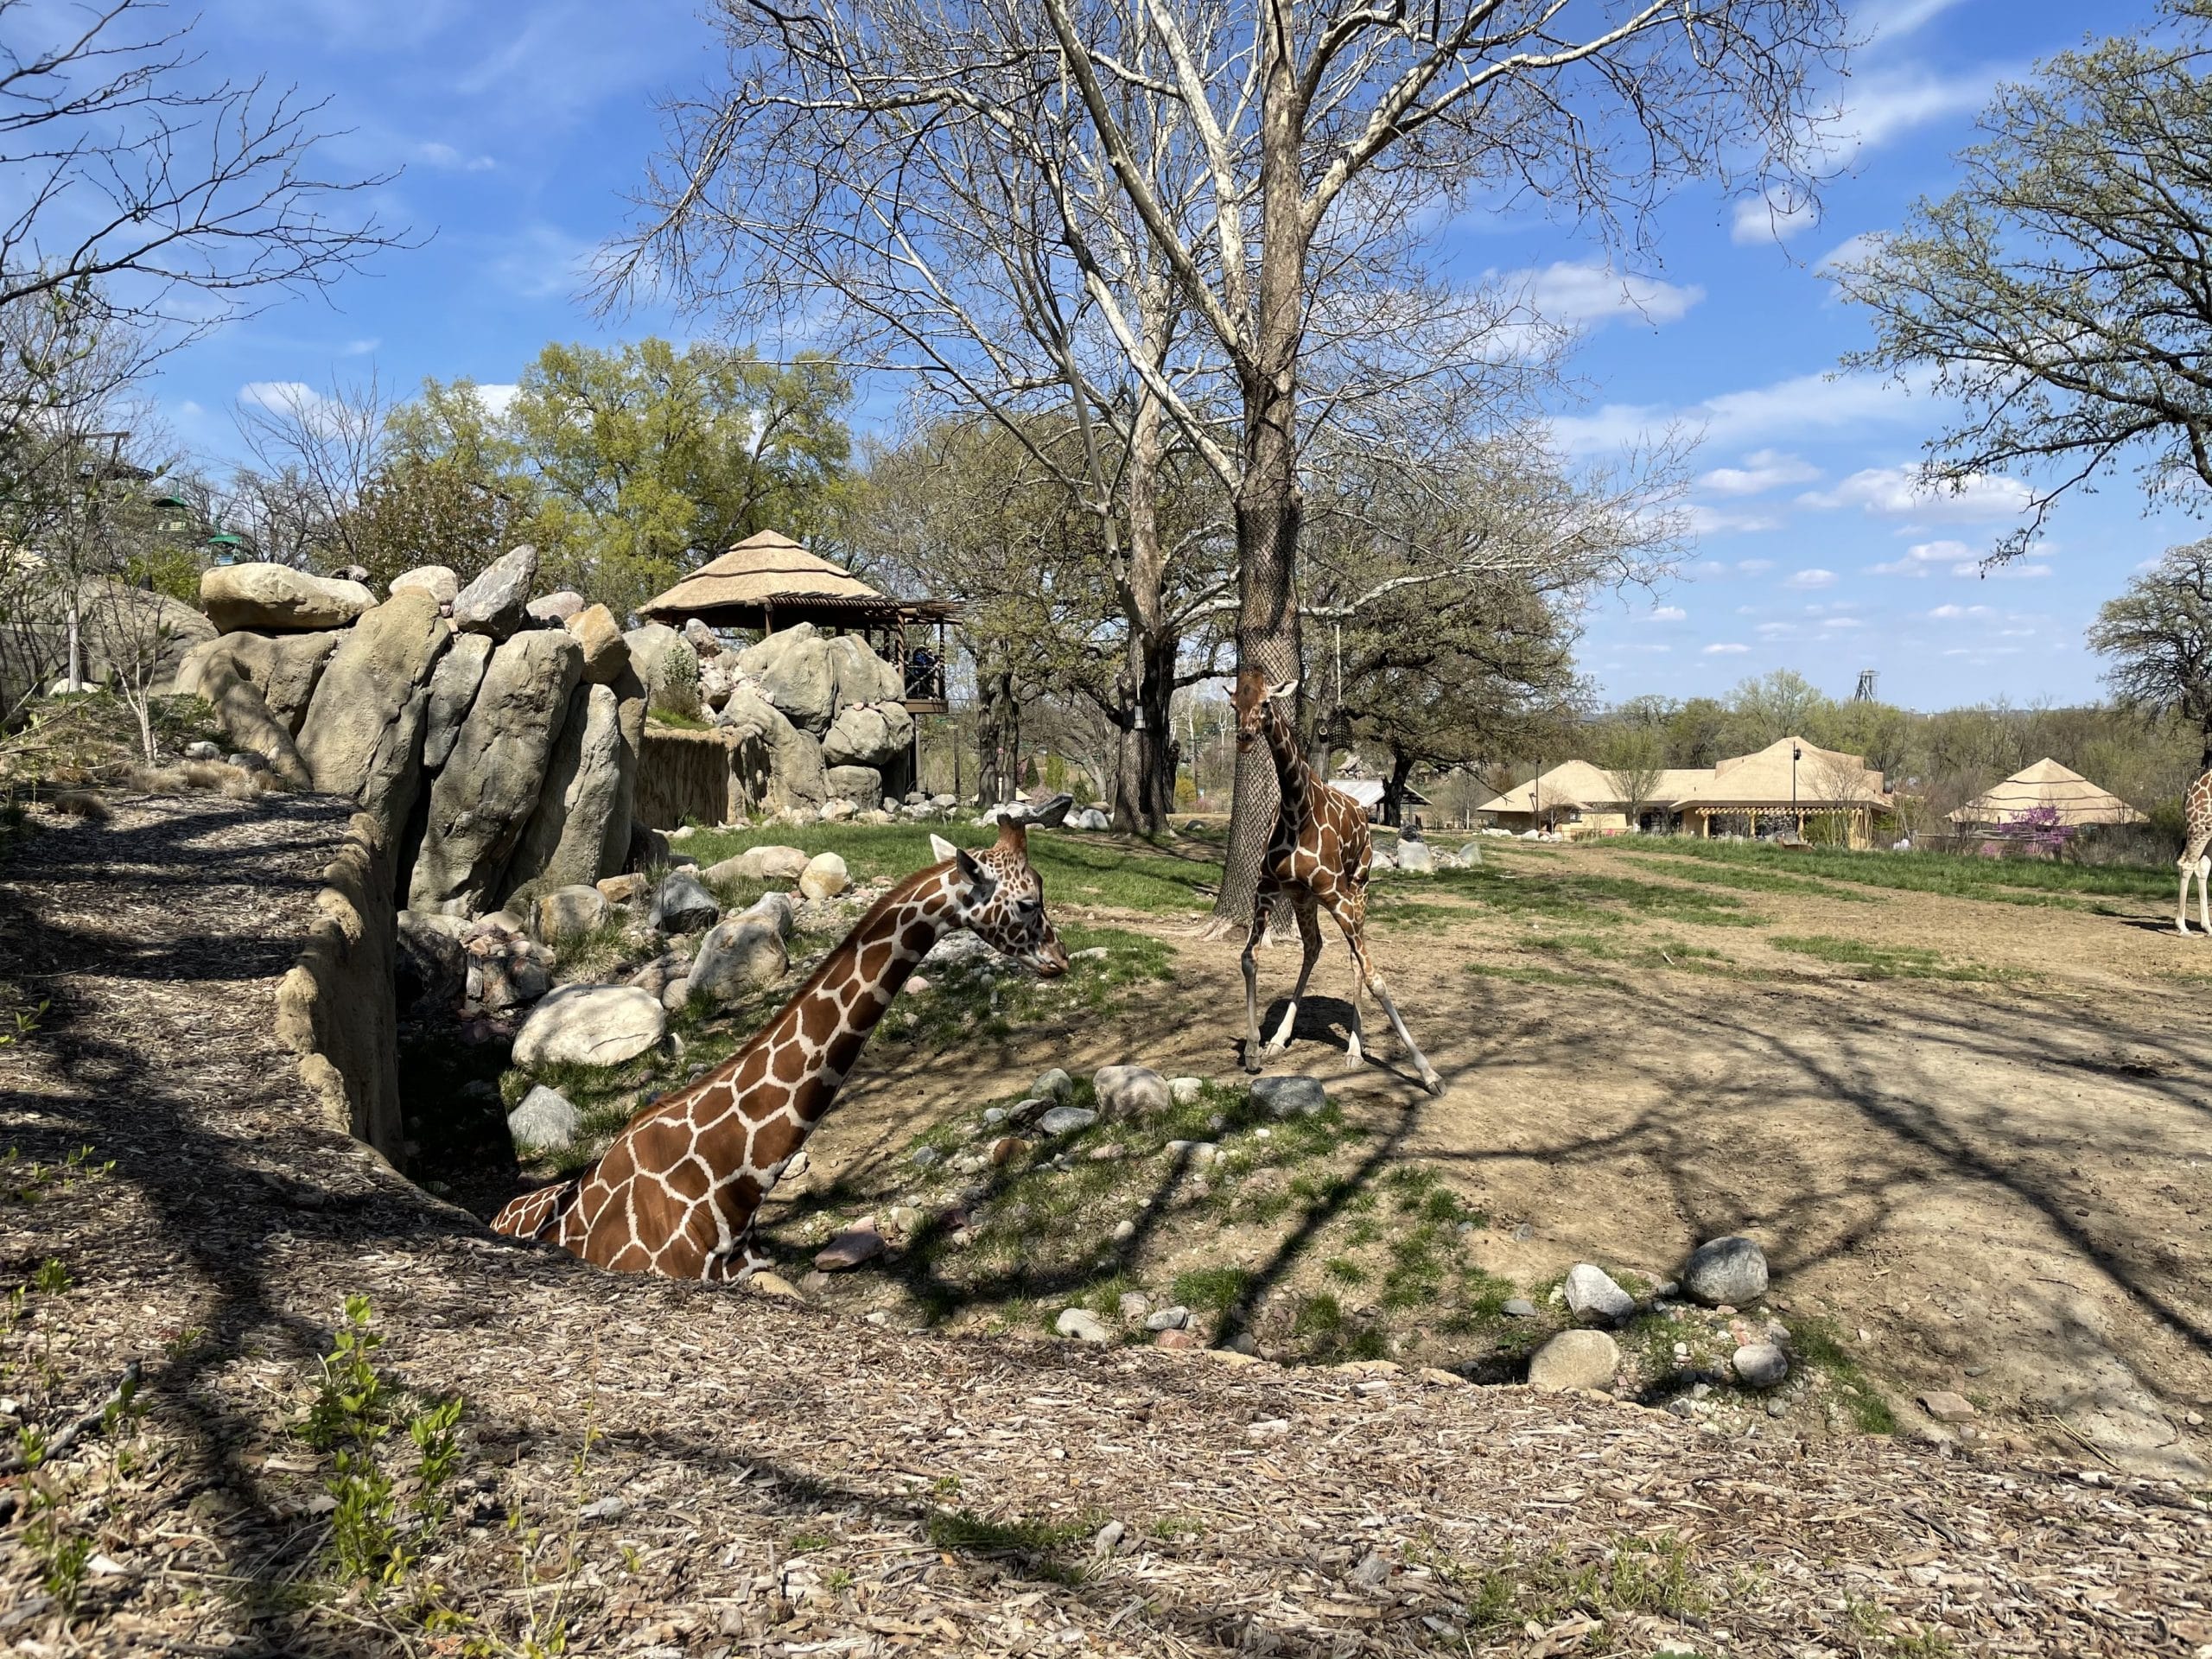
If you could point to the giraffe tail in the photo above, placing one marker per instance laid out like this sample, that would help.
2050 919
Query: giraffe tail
535 1214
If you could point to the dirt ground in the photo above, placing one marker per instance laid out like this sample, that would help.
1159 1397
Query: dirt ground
2000 1186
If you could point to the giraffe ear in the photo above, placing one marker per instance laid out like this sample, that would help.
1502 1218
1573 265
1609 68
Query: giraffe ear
941 849
980 880
1289 688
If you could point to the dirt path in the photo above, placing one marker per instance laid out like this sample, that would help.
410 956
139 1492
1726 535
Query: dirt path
695 1473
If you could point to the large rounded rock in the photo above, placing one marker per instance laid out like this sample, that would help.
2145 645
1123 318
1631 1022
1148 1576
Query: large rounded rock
438 580
363 734
277 598
241 714
780 764
1294 1097
1415 855
545 1122
682 905
1576 1359
738 956
1592 1294
862 676
607 653
777 910
1761 1365
877 736
771 863
824 877
862 785
1730 1271
570 913
285 668
794 673
483 799
555 606
667 667
497 601
589 1025
1130 1091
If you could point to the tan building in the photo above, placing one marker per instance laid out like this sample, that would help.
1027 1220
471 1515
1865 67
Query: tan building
1578 798
2078 802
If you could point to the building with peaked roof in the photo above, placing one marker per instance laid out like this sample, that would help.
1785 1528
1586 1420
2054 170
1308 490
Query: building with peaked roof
2078 802
769 581
1574 792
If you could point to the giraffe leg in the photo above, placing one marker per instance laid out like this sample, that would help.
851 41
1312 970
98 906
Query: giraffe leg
1309 934
2194 861
1430 1081
1261 901
2204 893
1355 1044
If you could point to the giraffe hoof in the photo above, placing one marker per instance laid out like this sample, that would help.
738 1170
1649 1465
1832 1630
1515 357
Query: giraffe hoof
1434 1083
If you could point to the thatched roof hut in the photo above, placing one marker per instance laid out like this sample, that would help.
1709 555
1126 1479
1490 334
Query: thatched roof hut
2047 783
768 580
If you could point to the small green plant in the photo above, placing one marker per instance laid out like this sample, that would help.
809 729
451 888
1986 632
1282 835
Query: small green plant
62 1555
806 1543
1214 1288
51 1279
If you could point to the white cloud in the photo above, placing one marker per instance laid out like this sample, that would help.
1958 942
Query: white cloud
1848 252
1702 521
1892 20
1919 559
2013 571
497 397
1898 492
1762 470
359 347
1841 622
1776 630
1589 295
1805 402
447 159
1754 566
1876 108
1947 612
1726 649
1757 219
280 397
1814 578
189 409
1670 614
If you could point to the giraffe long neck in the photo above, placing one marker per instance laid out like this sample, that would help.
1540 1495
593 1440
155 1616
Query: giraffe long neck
1293 776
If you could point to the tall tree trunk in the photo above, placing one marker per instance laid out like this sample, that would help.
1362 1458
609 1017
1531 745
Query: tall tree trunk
998 735
1394 789
1142 575
1268 502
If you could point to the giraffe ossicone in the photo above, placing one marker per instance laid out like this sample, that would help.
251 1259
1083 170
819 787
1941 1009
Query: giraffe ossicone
677 1190
1319 857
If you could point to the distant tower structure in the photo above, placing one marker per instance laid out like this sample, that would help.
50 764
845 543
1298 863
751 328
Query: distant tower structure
1865 691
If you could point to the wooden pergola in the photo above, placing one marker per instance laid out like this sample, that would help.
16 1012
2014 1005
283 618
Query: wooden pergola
769 581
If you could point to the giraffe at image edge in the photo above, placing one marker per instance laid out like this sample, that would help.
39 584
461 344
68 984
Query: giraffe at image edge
1319 858
2197 836
677 1190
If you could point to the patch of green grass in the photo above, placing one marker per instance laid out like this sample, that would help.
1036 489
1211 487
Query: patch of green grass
990 999
964 1530
1076 866
1527 975
592 958
2006 880
1571 895
1818 1348
806 1543
680 722
1318 1315
1634 1576
1216 1289
1882 961
1746 880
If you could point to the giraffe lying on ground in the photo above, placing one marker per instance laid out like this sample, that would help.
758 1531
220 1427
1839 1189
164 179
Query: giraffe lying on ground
1318 858
2197 832
677 1192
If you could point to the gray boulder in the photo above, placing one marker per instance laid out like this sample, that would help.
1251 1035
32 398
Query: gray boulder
1725 1270
483 799
569 840
1089 818
555 606
779 765
703 640
454 685
1471 856
1290 1096
1592 1294
277 598
570 913
1415 855
1576 1359
874 735
589 1025
1065 1120
667 667
1082 1325
777 910
607 653
682 905
862 785
285 668
795 675
545 1122
1055 1085
1130 1091
824 877
1761 1365
738 955
437 581
860 675
241 714
363 734
497 601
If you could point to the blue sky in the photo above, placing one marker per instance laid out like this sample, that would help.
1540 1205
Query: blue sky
520 126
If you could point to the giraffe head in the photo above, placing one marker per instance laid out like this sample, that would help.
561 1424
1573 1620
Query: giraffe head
1001 899
1250 701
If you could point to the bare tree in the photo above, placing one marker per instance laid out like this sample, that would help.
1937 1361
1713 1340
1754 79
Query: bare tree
2157 636
1250 152
165 203
314 454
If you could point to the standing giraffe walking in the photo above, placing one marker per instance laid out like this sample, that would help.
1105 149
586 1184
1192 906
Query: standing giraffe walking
1319 856
677 1192
2196 820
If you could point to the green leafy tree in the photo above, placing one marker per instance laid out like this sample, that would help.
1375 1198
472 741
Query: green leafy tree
2058 294
451 486
2158 637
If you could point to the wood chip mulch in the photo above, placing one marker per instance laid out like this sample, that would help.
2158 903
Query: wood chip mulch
654 1470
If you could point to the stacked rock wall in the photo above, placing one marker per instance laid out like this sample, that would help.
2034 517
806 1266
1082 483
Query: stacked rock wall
802 704
496 750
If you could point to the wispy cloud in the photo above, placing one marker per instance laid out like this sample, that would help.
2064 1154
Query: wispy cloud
1897 492
1702 521
1804 403
1668 614
1590 294
1757 219
1814 578
447 159
1725 648
1762 470
1949 613
1924 556
496 396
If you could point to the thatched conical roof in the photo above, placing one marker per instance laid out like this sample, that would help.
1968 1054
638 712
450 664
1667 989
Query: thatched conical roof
769 575
1763 781
2046 783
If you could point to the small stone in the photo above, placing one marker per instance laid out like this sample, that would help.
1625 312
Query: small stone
766 1283
1778 1408
1373 1571
1005 1149
1081 1324
1124 1231
545 1122
1761 1365
1946 1407
604 1508
1130 1091
1065 1120
1175 1340
203 750
1592 1292
676 992
1732 1270
621 889
1519 1307
857 1243
1290 1096
1107 1538
1268 1429
1054 1085
1576 1359
568 913
1167 1318
682 905
824 877
1185 1091
1134 1303
795 1166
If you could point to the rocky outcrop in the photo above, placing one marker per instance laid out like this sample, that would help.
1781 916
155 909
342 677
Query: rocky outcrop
242 715
438 580
860 675
285 668
874 735
363 735
497 601
483 799
667 668
792 672
779 766
454 685
277 598
607 653
862 785
581 826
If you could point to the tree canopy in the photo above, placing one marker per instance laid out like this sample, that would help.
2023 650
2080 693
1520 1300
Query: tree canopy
2157 636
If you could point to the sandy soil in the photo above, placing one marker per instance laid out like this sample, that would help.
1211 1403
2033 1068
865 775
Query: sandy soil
2007 1187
